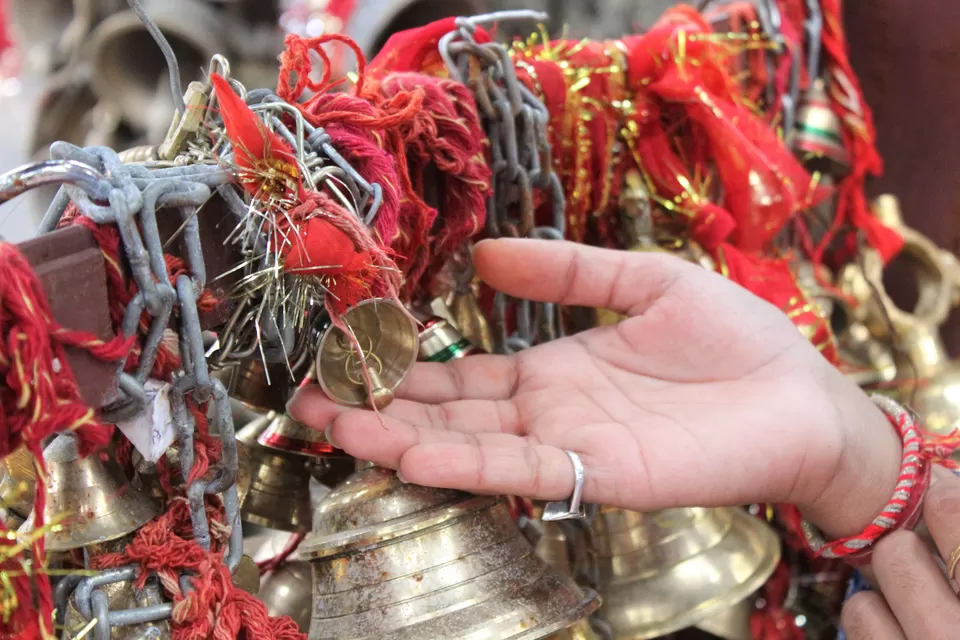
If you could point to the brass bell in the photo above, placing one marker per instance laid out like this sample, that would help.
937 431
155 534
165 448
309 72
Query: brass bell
91 499
122 596
18 482
288 592
257 386
465 313
247 576
396 561
279 495
286 434
733 623
441 341
818 137
664 571
387 337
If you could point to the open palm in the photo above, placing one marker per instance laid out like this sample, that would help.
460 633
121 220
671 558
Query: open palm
705 395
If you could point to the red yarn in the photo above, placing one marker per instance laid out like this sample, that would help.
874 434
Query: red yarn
274 563
773 621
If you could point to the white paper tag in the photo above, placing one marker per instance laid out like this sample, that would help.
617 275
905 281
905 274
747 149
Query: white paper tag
152 430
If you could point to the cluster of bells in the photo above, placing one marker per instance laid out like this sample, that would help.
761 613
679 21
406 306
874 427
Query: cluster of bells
392 560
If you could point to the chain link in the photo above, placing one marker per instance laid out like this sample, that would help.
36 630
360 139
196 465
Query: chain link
515 122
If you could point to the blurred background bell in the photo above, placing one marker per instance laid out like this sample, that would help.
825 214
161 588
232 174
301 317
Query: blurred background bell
259 387
90 497
279 496
396 560
247 575
818 138
441 341
18 482
664 571
287 435
387 336
288 592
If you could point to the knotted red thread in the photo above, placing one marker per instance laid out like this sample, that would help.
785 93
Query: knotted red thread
277 561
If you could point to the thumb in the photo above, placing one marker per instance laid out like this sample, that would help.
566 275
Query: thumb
567 273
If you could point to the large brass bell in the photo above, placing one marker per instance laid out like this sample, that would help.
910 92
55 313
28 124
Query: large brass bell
664 571
90 497
279 496
388 338
397 561
287 592
926 377
818 137
257 386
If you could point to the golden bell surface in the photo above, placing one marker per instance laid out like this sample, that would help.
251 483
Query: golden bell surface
733 623
397 561
818 138
18 482
288 592
258 387
468 317
279 495
122 596
664 571
387 336
90 497
286 434
247 576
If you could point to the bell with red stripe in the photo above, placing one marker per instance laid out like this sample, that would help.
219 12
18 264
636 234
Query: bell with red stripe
287 435
440 341
818 138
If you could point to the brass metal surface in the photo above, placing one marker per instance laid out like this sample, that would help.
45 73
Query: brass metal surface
18 482
664 571
288 591
388 338
287 435
279 495
259 387
733 623
397 561
247 576
468 317
90 497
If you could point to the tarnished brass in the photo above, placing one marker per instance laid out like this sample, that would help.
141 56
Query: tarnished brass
247 576
286 434
249 384
279 496
288 592
90 497
664 571
18 482
397 561
388 337
120 596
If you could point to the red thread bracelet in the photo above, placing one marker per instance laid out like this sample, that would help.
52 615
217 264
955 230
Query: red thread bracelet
920 452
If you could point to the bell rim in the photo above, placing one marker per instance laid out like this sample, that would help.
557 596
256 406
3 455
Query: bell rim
376 535
707 609
585 608
362 401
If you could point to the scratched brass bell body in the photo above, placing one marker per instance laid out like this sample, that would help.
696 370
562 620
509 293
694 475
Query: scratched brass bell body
818 138
388 336
288 592
664 571
279 495
122 596
287 435
90 497
397 561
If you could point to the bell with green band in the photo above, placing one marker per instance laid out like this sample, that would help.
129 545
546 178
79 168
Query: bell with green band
818 139
440 341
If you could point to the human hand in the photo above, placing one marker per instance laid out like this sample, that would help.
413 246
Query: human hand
915 601
705 396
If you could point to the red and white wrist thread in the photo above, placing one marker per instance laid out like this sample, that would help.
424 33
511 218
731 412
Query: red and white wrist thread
920 451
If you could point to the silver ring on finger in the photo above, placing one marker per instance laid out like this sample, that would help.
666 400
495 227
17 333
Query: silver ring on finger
571 509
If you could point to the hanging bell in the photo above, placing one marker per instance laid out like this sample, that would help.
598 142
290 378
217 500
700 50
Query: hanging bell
287 435
387 337
287 592
441 341
818 138
90 497
258 387
18 482
664 571
396 561
279 495
121 596
465 312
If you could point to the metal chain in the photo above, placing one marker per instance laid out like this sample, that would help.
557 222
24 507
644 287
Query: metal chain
515 122
133 197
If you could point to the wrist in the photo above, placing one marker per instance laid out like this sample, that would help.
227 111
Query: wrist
867 470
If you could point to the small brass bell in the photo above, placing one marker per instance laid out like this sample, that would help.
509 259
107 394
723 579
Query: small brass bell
468 317
258 387
122 596
665 571
387 337
396 561
286 434
18 482
818 138
440 341
91 499
288 592
279 495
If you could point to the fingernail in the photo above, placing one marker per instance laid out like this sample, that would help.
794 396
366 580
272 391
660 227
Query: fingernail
328 433
401 478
